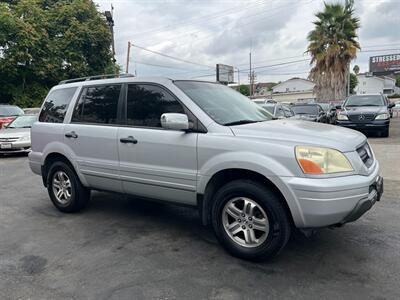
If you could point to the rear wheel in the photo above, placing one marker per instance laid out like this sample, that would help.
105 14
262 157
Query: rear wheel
250 221
65 189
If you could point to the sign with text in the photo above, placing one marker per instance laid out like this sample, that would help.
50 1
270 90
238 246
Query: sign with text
225 73
385 64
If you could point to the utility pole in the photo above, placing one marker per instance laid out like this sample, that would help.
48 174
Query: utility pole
251 84
348 80
127 57
110 20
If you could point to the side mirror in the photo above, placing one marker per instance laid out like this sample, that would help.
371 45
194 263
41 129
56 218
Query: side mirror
338 107
391 105
174 121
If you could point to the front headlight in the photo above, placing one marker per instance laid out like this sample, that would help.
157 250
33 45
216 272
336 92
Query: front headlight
342 117
25 138
316 160
382 116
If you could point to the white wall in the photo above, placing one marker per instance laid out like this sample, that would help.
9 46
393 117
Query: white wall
369 85
293 85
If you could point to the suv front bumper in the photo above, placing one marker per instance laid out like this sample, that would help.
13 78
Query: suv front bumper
334 201
376 125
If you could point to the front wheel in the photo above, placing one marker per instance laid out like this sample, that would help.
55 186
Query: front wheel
250 220
65 189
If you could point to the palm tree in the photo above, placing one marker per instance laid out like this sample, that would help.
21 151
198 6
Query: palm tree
333 44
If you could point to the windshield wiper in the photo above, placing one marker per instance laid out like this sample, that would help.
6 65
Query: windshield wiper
26 126
240 122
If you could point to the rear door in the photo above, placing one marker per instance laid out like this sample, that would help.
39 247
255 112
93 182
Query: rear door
158 163
92 136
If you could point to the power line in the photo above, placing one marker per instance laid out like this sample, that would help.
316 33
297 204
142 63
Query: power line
170 57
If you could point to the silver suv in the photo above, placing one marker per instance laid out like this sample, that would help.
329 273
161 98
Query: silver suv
254 179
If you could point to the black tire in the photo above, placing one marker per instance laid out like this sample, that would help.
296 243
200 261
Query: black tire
79 194
278 219
385 133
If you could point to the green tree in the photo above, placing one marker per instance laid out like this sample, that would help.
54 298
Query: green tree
333 44
353 82
356 69
45 41
244 90
398 80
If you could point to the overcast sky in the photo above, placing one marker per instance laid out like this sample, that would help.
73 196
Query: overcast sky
209 32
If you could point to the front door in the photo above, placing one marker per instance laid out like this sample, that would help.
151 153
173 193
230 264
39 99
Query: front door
155 162
92 136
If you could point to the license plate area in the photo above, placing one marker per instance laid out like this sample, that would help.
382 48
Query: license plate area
5 146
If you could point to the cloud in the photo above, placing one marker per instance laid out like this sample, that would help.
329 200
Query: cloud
211 31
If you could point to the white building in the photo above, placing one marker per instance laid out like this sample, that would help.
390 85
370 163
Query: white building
294 90
368 84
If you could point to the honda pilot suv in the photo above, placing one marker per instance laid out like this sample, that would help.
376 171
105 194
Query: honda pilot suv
202 144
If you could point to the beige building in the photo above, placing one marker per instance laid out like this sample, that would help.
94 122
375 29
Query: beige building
294 90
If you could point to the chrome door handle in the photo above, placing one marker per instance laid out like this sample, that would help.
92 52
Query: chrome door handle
128 140
71 134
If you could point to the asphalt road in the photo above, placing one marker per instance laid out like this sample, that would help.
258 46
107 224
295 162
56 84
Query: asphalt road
125 248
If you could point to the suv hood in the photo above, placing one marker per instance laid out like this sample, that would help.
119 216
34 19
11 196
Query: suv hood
365 110
302 133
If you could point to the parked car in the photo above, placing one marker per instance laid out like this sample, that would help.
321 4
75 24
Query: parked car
16 136
309 112
367 113
32 110
278 110
263 101
202 144
8 113
330 111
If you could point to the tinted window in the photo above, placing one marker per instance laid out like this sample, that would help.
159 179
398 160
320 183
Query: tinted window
146 104
56 105
6 111
370 100
98 105
305 109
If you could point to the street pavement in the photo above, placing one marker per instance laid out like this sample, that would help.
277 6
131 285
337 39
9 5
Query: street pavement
125 248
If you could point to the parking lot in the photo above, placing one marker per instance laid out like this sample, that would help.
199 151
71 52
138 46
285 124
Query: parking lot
125 248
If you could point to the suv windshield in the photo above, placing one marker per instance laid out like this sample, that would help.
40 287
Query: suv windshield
6 111
223 104
22 122
371 100
305 109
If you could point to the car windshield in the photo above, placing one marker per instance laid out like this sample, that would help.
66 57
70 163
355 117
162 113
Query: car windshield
6 111
370 100
305 109
223 104
325 106
22 122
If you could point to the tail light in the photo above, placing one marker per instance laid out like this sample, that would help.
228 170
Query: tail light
4 121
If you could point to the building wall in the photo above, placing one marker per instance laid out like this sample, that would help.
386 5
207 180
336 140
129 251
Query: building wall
293 85
375 85
294 97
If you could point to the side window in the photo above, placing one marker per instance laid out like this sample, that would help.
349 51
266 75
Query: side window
279 111
56 105
146 103
98 105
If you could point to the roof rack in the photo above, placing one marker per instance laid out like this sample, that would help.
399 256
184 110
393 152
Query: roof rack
106 76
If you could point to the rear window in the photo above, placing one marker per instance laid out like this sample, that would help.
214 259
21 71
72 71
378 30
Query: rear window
56 105
305 109
98 105
6 111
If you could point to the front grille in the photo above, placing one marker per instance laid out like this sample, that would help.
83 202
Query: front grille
365 154
9 140
361 118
